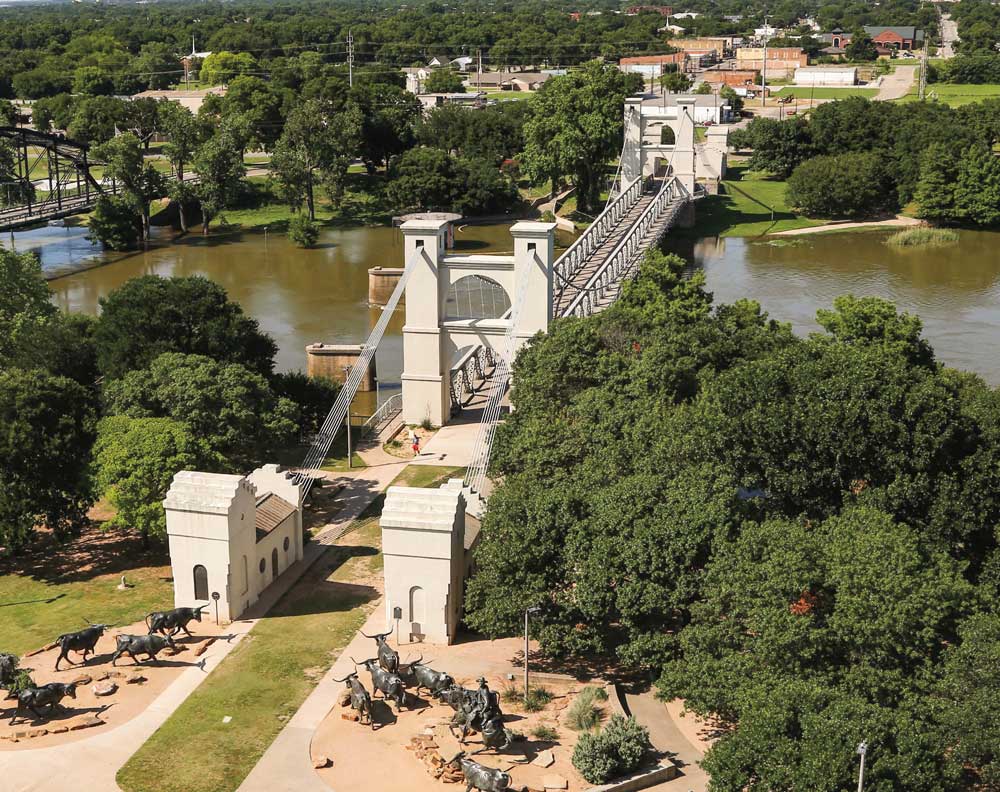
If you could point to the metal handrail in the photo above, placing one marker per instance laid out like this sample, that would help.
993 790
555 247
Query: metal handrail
390 408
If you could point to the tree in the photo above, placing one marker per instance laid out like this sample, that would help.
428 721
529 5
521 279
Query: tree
184 132
48 428
25 299
316 139
861 47
576 126
135 460
219 163
675 82
226 405
314 396
9 115
388 116
444 80
93 81
150 315
733 99
303 231
114 223
138 180
221 67
142 118
935 193
873 321
846 185
96 119
41 82
423 179
260 105
156 65
54 112
977 187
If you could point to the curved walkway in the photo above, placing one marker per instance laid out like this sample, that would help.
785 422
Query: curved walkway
899 221
667 737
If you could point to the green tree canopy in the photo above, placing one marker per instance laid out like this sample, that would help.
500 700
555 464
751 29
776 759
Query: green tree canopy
150 315
444 80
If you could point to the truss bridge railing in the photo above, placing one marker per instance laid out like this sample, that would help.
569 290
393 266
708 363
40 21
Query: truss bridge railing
623 261
576 255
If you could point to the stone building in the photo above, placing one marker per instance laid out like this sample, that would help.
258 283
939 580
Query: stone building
231 535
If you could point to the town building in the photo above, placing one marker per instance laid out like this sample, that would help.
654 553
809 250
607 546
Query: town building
781 61
431 100
638 9
231 536
721 45
838 77
655 65
192 100
507 81
887 39
734 78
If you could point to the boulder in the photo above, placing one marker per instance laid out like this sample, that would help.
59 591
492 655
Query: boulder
83 679
105 688
59 730
544 759
38 732
554 781
321 761
203 646
86 723
344 698
350 716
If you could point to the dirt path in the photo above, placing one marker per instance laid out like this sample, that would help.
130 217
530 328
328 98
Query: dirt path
899 221
898 84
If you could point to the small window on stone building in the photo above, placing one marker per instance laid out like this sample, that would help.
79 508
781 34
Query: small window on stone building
285 544
200 583
246 576
262 566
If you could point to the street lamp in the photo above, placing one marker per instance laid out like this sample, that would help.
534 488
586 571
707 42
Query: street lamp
527 611
862 751
350 461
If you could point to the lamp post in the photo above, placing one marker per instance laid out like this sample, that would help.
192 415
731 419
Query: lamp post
350 461
527 611
862 752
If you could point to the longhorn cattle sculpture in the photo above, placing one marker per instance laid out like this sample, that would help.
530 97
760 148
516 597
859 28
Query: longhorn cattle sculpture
480 777
478 710
173 620
360 700
388 657
49 695
134 645
83 642
417 675
390 685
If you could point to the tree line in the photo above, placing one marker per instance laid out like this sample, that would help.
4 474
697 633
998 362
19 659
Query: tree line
172 375
797 536
859 158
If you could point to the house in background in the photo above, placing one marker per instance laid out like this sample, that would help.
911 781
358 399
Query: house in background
638 9
431 100
887 39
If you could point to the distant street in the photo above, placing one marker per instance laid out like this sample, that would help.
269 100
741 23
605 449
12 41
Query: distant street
949 36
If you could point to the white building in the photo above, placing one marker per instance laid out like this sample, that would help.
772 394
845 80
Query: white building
423 544
231 535
840 77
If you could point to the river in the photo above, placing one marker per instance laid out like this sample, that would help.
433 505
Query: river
302 296
954 289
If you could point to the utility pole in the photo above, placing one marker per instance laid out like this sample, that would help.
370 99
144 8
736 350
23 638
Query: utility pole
763 69
479 84
350 58
923 71
862 751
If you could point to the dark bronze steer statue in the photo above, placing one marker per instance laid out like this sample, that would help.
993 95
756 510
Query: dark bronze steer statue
477 776
388 657
360 700
417 675
149 645
83 642
173 621
50 695
391 686
8 669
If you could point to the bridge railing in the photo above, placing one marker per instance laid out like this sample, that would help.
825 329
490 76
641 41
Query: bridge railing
468 370
620 264
569 263
388 410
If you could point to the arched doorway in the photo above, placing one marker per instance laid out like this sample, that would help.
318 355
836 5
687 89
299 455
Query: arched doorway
418 610
200 583
274 563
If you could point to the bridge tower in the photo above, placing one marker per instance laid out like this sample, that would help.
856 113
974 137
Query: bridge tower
659 139
458 304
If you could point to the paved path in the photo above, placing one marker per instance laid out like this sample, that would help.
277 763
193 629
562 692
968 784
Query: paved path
665 736
898 84
899 221
949 36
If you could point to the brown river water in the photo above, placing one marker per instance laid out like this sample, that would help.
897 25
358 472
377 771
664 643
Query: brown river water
303 296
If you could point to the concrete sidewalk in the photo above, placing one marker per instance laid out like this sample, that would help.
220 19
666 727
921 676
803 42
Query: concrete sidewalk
666 737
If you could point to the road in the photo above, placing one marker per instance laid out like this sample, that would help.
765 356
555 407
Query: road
949 36
898 84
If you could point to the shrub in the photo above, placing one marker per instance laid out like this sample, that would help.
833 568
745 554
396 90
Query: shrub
913 237
585 713
303 231
22 681
538 697
115 223
545 733
613 751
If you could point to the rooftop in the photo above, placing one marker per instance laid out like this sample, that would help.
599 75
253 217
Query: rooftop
272 511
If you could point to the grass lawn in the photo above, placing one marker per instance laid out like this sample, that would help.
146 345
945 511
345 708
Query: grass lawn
269 675
805 92
336 460
51 591
956 95
744 208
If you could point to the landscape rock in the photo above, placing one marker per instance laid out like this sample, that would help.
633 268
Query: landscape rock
86 723
321 761
203 646
135 678
105 688
554 781
544 759
39 732
59 730
82 679
344 698
350 716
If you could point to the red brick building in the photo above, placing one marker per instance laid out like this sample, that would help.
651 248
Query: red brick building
734 78
638 9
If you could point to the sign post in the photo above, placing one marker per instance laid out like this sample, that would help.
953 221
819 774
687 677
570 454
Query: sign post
215 596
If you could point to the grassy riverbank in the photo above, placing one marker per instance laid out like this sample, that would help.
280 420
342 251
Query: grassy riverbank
747 205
